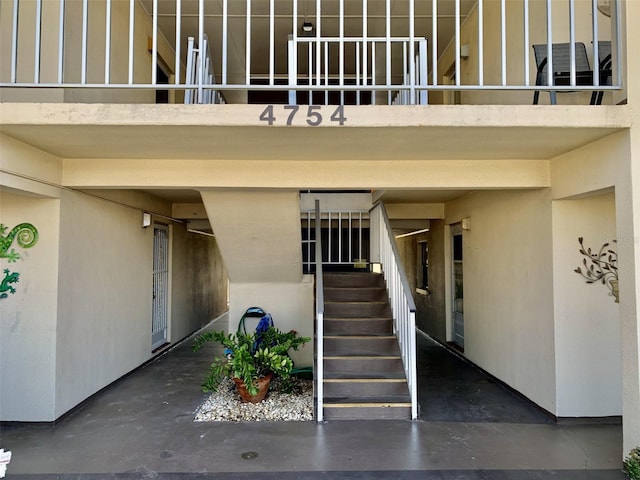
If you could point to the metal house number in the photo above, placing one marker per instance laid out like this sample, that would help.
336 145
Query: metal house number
314 117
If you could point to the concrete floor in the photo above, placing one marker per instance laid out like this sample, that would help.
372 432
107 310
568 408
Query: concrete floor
470 428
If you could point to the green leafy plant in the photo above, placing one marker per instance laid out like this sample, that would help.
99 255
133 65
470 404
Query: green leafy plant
632 464
249 356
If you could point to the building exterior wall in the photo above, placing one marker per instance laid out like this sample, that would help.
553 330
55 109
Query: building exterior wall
81 314
104 301
508 306
587 320
28 318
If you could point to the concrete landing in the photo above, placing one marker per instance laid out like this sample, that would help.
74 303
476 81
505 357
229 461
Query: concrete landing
471 429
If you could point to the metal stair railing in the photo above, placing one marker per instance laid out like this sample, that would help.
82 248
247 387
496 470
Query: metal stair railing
402 304
199 74
319 380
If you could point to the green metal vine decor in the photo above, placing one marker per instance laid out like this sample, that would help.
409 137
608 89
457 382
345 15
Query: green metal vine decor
600 266
26 236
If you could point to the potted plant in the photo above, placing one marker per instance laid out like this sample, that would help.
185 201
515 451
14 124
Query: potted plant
600 266
251 360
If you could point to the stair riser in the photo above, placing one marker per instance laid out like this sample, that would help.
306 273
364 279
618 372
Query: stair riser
366 389
355 295
367 413
361 346
357 327
353 280
362 364
357 309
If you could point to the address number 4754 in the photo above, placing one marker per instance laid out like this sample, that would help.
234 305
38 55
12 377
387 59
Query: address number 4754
314 115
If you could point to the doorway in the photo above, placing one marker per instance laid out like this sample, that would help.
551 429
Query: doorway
457 285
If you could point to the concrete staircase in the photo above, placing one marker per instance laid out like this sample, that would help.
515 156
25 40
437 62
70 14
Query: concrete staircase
364 377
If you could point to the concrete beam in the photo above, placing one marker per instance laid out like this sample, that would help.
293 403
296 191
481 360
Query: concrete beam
307 174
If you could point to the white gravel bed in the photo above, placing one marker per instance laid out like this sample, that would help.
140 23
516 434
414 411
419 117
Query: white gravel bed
225 405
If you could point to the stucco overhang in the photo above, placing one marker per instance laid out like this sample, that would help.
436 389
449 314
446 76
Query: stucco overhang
235 132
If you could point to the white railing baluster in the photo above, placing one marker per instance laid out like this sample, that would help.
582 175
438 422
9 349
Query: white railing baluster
154 42
14 42
549 44
225 36
272 59
199 62
596 46
503 41
618 45
481 42
341 53
434 42
525 15
365 34
85 33
310 72
572 42
107 43
318 44
457 42
61 42
412 51
132 7
38 48
178 40
388 49
247 66
319 318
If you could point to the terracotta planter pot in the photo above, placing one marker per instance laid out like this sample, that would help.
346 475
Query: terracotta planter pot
263 387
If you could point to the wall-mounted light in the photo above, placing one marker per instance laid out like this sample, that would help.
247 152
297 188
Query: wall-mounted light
307 27
464 51
466 223
146 219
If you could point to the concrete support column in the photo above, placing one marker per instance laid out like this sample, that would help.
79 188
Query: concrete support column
259 237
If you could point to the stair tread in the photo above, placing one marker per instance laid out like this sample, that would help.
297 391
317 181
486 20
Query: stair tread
361 357
365 380
328 374
402 400
363 318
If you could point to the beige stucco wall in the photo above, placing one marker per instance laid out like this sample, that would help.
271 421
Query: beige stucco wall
587 320
601 166
28 317
104 299
290 304
508 279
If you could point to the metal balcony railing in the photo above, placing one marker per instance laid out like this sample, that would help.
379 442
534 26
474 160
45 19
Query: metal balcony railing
310 51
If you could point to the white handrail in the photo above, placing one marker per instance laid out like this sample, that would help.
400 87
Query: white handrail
319 321
402 304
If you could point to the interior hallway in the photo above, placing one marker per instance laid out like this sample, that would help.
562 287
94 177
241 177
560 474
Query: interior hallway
470 428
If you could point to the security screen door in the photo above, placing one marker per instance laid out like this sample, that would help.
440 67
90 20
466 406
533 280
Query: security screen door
160 286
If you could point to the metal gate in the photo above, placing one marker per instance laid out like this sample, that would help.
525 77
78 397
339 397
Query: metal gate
160 286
